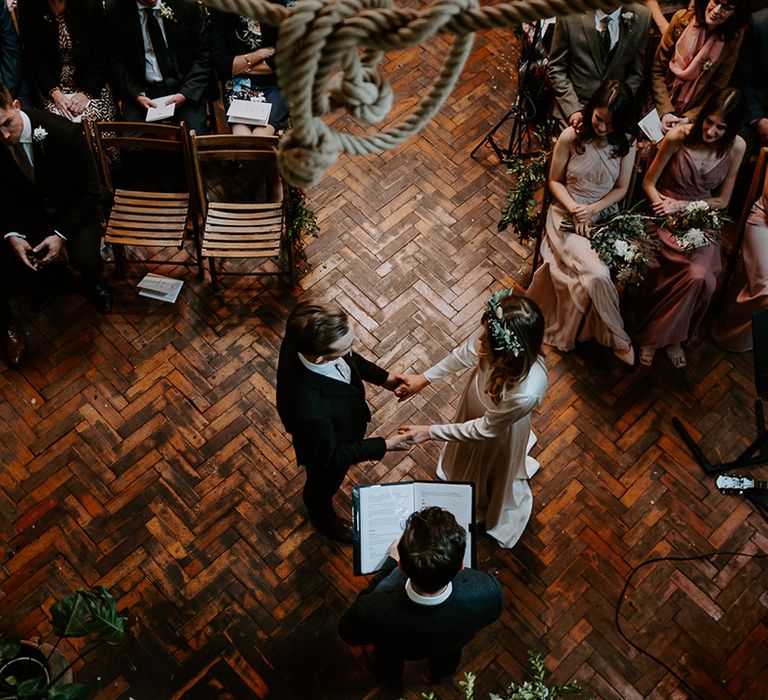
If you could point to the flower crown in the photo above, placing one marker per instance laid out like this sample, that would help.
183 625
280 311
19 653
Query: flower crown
503 338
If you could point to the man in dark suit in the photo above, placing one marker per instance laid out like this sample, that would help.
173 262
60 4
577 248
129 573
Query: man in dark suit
49 204
321 402
427 605
10 53
593 47
159 48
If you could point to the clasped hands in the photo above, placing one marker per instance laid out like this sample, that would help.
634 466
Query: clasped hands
47 251
583 216
404 386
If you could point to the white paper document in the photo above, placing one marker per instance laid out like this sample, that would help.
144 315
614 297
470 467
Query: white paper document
381 510
160 288
251 113
651 126
163 109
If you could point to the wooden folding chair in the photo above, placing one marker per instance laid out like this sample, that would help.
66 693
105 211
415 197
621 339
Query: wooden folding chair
154 208
240 198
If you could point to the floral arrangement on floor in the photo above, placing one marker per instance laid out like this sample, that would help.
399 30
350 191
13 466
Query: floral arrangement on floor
301 222
521 211
626 242
695 226
529 690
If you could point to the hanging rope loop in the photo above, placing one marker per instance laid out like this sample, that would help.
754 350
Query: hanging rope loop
320 65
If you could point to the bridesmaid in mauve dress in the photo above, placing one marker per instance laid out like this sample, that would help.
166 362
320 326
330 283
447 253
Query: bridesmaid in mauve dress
589 175
696 161
490 440
748 290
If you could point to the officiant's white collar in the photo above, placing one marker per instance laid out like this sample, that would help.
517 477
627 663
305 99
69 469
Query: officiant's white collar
420 599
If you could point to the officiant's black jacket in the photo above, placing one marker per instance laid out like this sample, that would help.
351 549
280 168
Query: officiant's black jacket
384 615
66 193
327 418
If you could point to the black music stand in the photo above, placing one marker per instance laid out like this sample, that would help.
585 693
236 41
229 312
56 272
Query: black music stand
757 452
524 111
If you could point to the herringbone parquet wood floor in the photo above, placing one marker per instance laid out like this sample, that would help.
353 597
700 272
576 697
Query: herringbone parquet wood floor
141 451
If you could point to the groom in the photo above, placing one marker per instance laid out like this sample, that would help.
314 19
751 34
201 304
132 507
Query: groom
321 402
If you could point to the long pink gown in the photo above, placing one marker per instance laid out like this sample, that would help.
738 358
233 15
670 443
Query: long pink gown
677 293
748 290
573 287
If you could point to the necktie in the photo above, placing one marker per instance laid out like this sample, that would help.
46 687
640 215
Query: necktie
162 54
22 160
605 35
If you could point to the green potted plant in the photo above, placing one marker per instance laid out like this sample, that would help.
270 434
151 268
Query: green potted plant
29 671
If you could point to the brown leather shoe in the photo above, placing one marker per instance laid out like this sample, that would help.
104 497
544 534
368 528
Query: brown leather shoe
14 344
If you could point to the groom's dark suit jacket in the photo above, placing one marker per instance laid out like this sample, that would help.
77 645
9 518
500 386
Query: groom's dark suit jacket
384 616
187 39
66 193
327 418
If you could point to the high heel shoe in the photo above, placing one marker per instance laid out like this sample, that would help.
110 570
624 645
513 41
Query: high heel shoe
626 356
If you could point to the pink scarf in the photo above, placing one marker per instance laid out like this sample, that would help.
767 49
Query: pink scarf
695 53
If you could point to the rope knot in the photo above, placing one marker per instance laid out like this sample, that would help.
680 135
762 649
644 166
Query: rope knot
366 95
302 163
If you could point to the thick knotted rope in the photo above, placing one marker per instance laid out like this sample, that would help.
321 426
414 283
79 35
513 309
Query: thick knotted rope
318 38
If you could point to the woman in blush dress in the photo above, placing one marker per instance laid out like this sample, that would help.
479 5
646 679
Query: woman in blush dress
748 291
590 173
695 162
489 442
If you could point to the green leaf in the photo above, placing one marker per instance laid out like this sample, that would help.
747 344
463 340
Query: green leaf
89 612
31 687
9 647
70 691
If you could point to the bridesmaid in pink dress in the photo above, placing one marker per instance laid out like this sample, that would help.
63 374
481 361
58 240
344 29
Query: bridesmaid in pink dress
748 291
590 173
696 161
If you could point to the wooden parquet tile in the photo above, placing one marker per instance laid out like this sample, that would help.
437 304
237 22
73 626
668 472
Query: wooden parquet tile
142 451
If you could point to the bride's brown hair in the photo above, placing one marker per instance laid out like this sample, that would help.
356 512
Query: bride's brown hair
523 319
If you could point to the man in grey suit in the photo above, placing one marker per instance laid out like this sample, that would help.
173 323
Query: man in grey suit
593 47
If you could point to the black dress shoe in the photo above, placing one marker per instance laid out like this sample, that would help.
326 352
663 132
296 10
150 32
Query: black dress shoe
14 344
101 295
335 530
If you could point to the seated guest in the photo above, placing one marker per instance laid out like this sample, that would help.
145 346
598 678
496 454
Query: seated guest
243 52
589 175
696 58
755 64
65 57
695 162
748 290
423 604
49 203
159 48
10 52
589 49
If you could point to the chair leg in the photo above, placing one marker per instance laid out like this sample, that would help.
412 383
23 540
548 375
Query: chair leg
214 278
119 260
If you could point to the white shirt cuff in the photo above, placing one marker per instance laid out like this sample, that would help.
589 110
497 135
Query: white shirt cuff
14 234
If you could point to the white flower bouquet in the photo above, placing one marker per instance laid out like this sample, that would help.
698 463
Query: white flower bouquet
626 242
695 226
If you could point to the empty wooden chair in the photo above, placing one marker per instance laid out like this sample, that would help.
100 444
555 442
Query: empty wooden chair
240 198
147 169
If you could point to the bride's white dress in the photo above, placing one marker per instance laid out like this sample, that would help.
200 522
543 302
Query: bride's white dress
489 444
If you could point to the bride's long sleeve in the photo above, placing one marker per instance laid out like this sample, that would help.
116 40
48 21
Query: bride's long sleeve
462 357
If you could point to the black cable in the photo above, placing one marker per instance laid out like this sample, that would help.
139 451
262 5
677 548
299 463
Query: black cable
655 560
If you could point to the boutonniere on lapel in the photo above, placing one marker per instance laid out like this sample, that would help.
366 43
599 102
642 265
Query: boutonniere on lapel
48 18
707 64
165 12
627 16
38 136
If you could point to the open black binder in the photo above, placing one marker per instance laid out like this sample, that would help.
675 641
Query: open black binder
379 512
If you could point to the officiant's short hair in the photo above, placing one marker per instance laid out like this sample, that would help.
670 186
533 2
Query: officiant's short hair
431 548
313 327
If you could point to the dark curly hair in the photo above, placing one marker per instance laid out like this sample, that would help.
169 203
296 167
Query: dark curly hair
616 97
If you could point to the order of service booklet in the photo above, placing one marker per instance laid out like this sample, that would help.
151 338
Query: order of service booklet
379 512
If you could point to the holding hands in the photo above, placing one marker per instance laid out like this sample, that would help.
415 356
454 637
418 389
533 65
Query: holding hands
582 215
405 385
670 121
